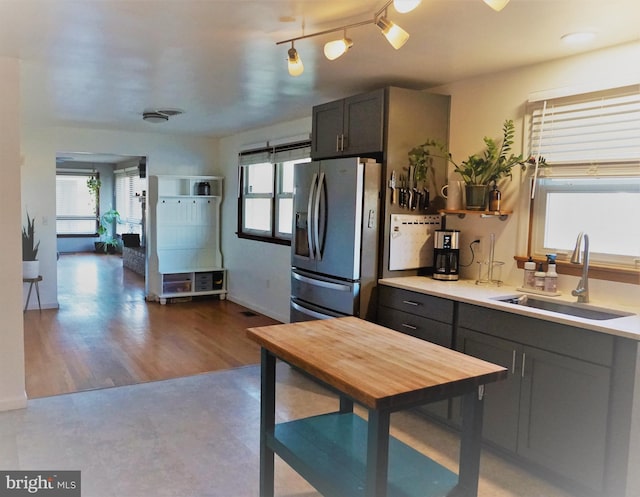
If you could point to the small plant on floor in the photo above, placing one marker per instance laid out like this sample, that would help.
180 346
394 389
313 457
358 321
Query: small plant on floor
108 242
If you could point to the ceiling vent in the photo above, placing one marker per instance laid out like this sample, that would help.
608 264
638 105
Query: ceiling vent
160 115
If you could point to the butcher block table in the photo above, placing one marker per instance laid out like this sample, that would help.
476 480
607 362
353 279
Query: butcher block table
385 371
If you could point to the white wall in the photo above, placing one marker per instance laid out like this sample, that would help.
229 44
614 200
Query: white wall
479 106
166 154
258 271
12 384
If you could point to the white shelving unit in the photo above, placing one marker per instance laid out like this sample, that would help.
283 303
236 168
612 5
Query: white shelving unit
184 238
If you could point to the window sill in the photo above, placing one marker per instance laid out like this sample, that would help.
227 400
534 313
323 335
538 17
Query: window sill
598 272
77 235
267 239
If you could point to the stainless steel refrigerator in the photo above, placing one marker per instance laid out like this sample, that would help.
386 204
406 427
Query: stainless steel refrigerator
334 248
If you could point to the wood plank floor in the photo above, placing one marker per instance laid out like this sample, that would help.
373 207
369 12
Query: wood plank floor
105 334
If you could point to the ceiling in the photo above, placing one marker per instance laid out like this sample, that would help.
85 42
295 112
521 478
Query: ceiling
100 64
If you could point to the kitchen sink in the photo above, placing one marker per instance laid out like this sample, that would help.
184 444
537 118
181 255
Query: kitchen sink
573 309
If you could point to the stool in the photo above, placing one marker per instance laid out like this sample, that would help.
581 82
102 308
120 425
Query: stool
31 282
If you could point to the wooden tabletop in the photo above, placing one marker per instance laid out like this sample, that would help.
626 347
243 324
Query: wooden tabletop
376 366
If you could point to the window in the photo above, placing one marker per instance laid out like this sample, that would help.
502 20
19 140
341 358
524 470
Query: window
265 204
76 205
129 187
591 143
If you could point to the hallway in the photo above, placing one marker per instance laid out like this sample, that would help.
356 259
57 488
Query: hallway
105 334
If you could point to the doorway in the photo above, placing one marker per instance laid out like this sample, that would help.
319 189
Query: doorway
100 205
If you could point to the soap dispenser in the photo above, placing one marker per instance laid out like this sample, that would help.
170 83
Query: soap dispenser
551 278
529 273
538 278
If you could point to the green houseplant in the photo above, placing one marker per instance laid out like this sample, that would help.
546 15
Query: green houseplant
30 263
108 242
478 171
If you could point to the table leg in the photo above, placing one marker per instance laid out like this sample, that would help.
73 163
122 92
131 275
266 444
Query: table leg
470 444
267 421
346 404
28 296
377 453
38 294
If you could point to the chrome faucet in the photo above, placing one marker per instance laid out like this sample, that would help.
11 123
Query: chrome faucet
582 290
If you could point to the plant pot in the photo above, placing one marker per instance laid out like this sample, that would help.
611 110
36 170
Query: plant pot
30 269
475 197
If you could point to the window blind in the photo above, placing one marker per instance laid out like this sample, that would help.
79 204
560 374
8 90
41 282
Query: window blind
592 134
128 187
278 153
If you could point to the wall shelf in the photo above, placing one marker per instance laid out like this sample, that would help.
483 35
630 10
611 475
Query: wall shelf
461 213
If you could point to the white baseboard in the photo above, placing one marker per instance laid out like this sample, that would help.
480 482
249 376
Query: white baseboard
257 308
15 403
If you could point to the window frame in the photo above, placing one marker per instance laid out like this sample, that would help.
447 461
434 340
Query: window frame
130 176
277 157
568 174
95 217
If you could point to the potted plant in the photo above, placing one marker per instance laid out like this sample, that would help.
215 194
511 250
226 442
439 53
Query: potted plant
108 243
478 171
30 263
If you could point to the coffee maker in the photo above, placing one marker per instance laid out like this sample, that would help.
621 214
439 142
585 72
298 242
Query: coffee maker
446 255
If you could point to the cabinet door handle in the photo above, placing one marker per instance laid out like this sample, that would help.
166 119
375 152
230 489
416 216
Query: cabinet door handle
524 360
338 143
410 326
513 362
409 302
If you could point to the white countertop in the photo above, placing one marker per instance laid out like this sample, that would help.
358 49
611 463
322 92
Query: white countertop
484 295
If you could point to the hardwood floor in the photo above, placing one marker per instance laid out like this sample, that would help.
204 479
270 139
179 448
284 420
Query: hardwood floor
105 334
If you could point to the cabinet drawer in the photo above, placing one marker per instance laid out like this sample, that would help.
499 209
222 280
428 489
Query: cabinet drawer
417 326
574 342
417 303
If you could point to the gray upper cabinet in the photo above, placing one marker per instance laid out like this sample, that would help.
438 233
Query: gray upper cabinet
349 127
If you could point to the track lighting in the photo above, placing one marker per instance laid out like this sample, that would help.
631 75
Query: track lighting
296 68
496 5
404 6
336 48
394 34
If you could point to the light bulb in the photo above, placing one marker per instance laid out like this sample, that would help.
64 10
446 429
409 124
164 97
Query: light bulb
296 68
404 6
496 5
336 48
394 34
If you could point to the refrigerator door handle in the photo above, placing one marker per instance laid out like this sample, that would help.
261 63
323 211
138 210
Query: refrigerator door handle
324 284
320 195
309 312
310 217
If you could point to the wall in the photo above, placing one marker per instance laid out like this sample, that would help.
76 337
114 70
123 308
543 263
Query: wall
258 271
12 384
166 154
480 105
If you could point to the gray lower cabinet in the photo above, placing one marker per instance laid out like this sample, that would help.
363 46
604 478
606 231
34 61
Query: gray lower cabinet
553 409
423 316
